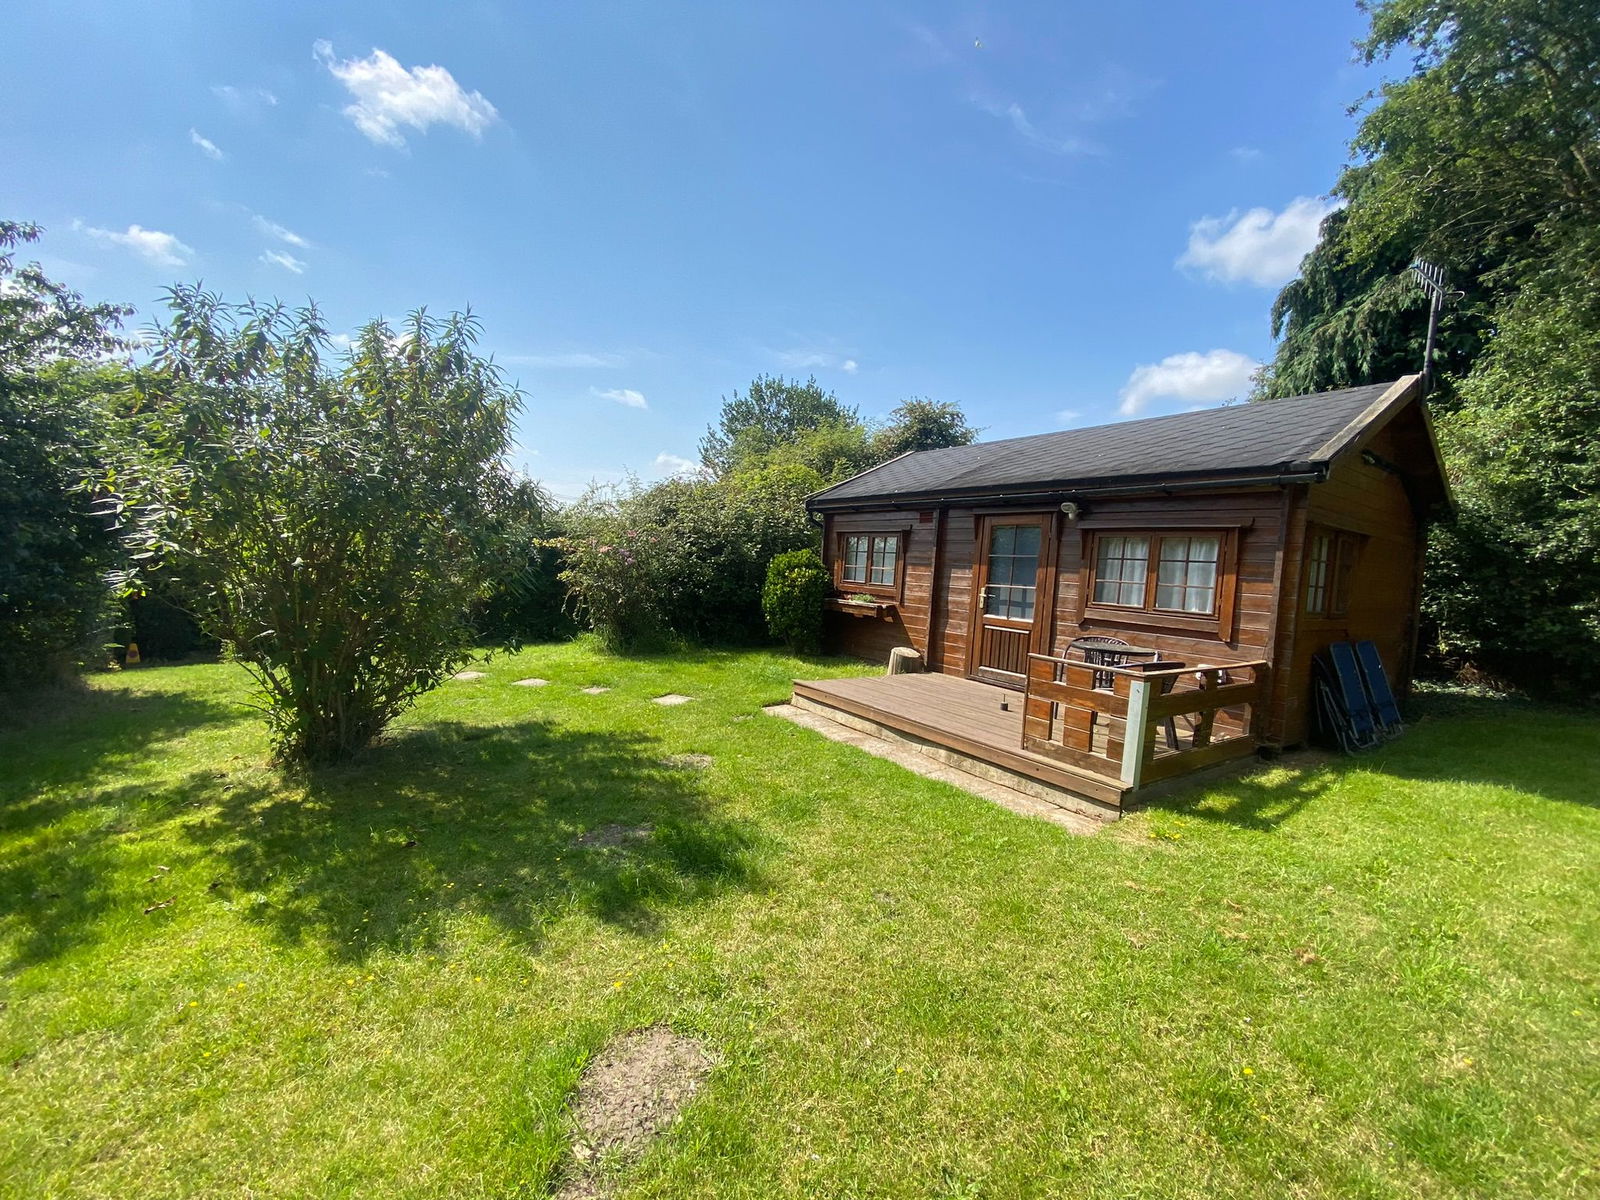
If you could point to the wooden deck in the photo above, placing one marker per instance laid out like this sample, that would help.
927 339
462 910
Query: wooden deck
963 716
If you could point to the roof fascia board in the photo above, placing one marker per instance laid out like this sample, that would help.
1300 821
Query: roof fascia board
1370 419
1149 485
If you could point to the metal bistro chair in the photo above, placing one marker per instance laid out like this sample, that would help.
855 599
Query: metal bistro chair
1102 651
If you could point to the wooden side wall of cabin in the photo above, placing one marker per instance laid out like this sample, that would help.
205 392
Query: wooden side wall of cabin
872 637
1371 502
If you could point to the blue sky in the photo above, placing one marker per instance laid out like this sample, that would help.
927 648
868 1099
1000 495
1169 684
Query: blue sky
1051 214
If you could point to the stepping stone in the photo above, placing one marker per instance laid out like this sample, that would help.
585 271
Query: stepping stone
688 762
531 683
673 698
467 676
596 690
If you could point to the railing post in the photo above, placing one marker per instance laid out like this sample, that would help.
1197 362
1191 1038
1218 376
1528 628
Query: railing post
1136 733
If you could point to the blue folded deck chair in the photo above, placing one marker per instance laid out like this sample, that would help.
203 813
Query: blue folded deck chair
1342 704
1384 706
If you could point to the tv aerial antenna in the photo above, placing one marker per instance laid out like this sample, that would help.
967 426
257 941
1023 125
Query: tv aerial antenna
1437 286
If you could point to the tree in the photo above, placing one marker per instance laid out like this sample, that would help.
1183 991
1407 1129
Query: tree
774 412
1513 584
1485 159
53 553
340 517
922 424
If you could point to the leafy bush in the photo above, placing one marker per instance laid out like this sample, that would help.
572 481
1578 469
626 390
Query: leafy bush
791 599
685 558
1513 586
54 554
340 519
526 601
609 572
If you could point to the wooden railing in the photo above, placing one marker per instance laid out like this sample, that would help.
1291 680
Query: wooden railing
1154 721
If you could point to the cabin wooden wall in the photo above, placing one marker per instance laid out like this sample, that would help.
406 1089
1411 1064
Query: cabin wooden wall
872 638
1385 585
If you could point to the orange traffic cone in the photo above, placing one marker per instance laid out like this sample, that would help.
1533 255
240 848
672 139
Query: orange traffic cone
131 659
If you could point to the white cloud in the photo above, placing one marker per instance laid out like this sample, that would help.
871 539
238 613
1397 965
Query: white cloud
1068 416
162 249
625 396
241 99
1259 246
341 341
276 258
1200 378
1245 154
805 358
273 229
673 464
574 360
1014 114
207 147
389 96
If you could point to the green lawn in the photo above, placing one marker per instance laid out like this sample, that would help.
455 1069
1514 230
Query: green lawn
1364 978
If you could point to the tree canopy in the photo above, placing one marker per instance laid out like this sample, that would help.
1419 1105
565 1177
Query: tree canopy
1484 158
773 412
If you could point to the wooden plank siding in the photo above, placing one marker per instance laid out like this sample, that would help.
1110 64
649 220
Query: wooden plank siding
1371 502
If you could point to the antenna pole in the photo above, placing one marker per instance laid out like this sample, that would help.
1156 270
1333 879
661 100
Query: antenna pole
1435 304
1432 278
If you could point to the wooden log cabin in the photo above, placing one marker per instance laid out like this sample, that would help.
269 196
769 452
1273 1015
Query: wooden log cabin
1225 548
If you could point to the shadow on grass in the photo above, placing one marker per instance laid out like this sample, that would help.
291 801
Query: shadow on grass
1542 752
59 826
1262 800
74 738
517 825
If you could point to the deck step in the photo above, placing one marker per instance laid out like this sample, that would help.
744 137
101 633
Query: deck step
1059 785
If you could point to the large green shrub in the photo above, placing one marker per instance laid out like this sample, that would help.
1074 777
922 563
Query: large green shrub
797 583
341 514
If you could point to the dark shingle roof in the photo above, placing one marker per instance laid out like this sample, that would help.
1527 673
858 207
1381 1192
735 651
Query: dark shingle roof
1272 436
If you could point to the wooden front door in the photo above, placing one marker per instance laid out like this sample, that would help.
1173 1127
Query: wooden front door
1009 596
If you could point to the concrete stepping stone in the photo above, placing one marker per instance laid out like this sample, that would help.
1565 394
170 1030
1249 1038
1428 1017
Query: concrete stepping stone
468 676
688 762
595 690
531 683
673 698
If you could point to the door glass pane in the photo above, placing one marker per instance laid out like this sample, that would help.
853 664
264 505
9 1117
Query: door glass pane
1013 572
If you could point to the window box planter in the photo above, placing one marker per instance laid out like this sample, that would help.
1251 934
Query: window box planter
860 608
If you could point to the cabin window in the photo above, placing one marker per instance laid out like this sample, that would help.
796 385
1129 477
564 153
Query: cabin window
1184 578
869 561
1330 565
1121 567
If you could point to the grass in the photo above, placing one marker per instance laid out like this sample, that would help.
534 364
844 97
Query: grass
1364 977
